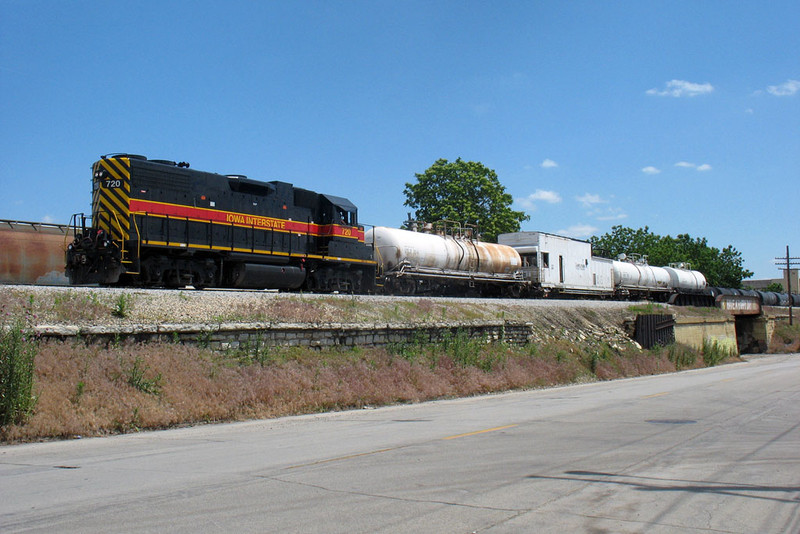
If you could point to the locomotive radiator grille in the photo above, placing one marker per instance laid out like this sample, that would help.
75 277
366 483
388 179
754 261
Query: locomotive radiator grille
110 198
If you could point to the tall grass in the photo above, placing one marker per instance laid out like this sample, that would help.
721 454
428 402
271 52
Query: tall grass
124 387
17 355
715 352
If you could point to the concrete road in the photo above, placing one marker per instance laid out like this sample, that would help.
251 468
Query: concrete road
714 450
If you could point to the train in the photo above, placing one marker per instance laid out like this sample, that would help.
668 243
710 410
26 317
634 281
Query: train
158 223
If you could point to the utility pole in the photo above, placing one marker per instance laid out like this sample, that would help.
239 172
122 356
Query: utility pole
789 262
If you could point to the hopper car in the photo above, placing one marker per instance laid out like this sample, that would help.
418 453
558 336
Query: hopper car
32 252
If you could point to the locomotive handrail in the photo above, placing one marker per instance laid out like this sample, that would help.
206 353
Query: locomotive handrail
121 233
73 223
138 244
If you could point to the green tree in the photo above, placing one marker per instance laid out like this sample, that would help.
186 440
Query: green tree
467 192
722 268
774 286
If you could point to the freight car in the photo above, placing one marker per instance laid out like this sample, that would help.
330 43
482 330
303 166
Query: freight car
556 265
32 253
159 223
443 259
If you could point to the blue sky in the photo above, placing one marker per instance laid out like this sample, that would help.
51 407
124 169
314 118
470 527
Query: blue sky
680 116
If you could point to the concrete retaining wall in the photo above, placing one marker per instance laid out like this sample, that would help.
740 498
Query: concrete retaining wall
239 335
693 331
688 330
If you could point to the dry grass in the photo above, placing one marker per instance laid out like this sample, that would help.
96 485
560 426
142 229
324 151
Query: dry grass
93 390
785 338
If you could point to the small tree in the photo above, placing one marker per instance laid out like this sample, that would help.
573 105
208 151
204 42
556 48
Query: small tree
466 192
775 287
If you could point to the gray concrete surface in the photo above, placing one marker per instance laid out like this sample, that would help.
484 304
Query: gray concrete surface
714 450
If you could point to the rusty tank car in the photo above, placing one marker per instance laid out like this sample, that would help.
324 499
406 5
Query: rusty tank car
443 260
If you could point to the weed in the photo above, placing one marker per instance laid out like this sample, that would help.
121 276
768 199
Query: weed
254 350
412 349
71 307
680 355
649 308
80 387
472 352
18 349
122 306
135 377
204 339
714 352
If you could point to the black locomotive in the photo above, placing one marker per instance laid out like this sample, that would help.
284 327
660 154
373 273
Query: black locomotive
159 223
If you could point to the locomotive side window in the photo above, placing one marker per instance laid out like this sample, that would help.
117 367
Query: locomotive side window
346 217
546 260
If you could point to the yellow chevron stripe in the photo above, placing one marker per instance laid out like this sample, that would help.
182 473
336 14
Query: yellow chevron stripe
113 223
111 169
114 205
119 197
124 166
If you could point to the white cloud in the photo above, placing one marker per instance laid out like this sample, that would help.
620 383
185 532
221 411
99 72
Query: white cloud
48 219
578 231
687 165
588 200
681 88
540 195
650 170
788 88
546 196
549 164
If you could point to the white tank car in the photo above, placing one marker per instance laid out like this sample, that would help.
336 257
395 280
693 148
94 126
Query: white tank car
639 276
685 280
433 251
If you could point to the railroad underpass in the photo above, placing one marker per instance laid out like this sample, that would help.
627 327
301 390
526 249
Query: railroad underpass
747 326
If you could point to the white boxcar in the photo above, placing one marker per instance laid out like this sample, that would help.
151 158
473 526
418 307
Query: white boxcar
558 264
